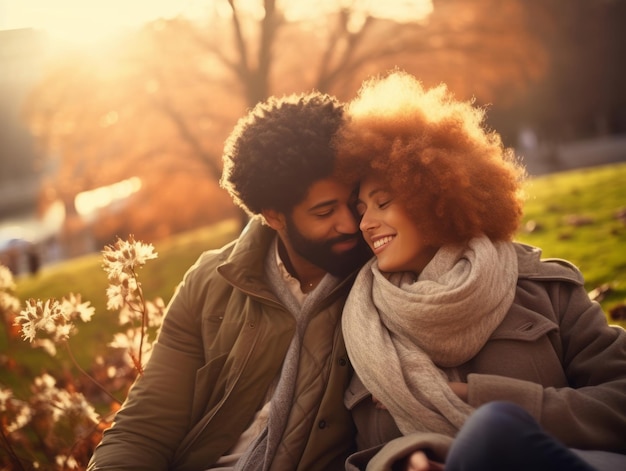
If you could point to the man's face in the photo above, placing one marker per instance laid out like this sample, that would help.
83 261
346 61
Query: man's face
323 229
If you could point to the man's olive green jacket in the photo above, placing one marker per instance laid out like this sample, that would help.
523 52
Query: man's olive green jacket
222 343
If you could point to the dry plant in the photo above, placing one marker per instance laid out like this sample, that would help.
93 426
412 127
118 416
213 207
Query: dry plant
57 427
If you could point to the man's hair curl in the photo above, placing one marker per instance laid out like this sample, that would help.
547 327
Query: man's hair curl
279 149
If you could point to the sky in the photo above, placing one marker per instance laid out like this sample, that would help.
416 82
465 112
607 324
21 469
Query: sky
88 21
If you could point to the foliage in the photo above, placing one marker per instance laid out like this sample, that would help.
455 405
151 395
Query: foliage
54 417
56 427
160 104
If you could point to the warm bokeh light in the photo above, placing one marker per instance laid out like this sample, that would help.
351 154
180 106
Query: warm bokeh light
89 202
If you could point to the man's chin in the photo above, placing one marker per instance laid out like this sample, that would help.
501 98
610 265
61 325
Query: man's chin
344 247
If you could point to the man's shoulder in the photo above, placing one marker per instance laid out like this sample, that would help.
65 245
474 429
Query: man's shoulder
207 263
251 245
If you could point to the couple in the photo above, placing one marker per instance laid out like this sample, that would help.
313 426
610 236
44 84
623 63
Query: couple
292 348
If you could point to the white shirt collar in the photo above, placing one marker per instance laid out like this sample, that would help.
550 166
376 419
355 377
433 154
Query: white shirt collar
292 283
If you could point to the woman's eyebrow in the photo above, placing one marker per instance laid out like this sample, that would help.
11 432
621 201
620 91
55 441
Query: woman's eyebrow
374 191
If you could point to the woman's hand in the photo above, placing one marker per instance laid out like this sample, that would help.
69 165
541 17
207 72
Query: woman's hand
460 389
418 461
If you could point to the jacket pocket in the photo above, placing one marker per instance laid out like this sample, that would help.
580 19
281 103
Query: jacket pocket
355 392
523 324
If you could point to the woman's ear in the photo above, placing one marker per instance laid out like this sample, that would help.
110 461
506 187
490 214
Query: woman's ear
274 219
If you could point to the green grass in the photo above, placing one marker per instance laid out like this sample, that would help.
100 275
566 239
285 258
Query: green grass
84 275
576 218
594 195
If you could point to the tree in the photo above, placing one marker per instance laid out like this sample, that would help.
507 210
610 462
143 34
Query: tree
162 103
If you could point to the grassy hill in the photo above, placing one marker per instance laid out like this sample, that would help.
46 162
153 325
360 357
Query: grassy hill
581 216
84 275
577 215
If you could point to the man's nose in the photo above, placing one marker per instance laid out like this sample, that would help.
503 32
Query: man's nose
347 222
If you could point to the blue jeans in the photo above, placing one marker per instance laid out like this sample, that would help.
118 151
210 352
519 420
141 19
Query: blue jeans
501 436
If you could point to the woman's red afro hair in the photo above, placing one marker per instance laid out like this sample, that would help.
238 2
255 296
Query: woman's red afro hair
452 174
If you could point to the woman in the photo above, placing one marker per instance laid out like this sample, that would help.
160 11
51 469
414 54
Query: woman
451 314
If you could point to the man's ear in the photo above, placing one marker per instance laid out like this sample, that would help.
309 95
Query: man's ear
274 219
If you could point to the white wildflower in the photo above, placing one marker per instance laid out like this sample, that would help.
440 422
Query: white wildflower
38 315
66 462
155 310
44 386
125 257
52 317
46 345
62 332
22 417
123 340
115 297
6 279
5 395
73 307
72 405
61 402
131 341
128 315
16 413
9 303
143 253
122 292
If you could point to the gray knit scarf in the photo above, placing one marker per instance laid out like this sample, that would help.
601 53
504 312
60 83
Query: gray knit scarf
405 338
261 452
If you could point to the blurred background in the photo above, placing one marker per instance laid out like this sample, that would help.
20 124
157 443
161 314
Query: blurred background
113 113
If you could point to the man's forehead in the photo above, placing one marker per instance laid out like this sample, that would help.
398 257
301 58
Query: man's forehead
326 192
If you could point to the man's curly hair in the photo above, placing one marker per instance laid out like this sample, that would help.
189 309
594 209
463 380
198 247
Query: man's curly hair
453 176
279 149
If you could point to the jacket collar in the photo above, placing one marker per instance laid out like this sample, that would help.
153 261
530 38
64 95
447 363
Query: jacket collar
244 266
532 267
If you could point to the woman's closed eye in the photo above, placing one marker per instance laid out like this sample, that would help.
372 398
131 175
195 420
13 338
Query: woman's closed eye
383 204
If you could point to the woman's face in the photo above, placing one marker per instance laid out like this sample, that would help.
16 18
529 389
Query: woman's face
391 233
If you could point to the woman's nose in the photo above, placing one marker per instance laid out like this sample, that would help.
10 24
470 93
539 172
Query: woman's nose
367 222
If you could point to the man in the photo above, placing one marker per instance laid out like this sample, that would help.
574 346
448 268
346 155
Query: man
250 368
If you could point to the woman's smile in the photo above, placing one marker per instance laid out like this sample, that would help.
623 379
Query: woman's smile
381 242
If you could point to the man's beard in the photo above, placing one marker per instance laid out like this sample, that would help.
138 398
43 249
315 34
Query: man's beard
321 253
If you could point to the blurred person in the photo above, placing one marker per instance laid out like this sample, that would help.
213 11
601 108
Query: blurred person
451 314
33 258
250 366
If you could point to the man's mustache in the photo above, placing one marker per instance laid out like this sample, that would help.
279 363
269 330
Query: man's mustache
343 238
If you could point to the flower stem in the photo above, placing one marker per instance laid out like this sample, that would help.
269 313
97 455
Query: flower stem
93 380
17 462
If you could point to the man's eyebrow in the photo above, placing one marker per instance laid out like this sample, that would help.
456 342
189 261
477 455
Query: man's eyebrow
322 205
